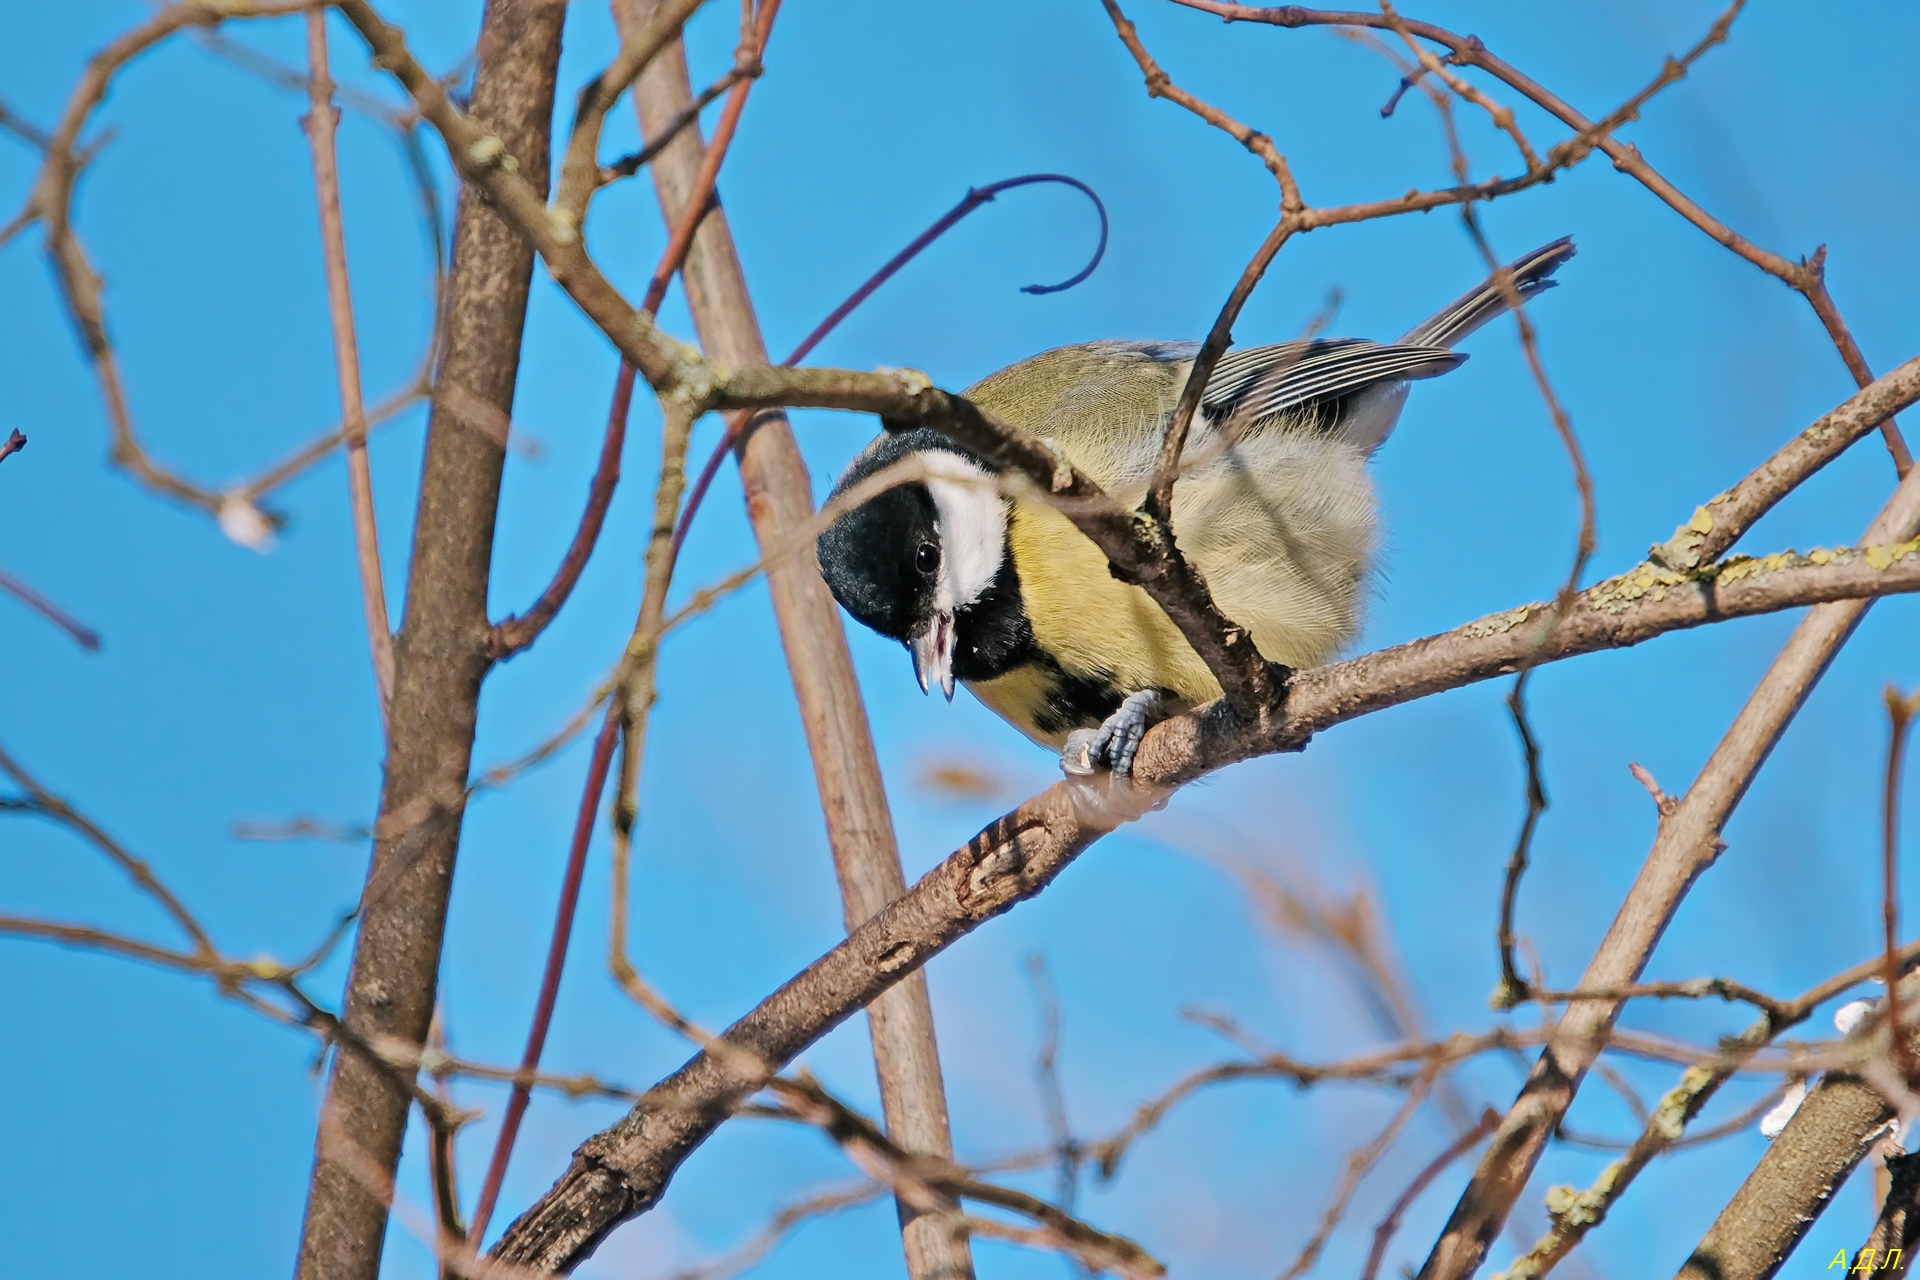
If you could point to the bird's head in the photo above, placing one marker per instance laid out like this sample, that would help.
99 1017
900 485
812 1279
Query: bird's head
913 560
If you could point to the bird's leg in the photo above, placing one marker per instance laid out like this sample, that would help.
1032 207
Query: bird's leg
1117 739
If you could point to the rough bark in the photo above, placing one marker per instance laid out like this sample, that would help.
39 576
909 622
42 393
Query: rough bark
439 661
780 501
1838 1124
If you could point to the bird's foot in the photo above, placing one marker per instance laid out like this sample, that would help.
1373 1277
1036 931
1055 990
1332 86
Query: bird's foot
1115 743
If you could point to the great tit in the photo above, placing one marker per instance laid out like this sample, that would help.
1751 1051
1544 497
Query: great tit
988 584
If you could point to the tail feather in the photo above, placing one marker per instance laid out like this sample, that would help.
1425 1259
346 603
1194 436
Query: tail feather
1530 275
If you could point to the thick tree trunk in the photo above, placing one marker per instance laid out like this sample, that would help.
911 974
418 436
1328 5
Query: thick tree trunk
439 660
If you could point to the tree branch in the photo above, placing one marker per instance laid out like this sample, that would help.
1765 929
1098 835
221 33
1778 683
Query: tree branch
1688 842
833 713
1579 1212
623 1170
1806 277
440 661
1138 552
515 632
322 119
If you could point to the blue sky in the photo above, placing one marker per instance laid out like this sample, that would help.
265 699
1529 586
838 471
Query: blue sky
234 686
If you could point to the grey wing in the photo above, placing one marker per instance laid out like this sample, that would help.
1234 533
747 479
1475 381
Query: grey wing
1256 383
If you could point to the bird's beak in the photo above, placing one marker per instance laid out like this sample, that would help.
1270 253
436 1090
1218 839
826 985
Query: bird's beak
933 655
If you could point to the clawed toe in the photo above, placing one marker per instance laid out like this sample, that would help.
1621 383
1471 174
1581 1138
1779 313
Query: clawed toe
1117 741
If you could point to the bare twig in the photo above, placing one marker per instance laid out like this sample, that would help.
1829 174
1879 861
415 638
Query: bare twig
515 633
52 806
1513 988
1383 1234
50 203
322 120
1575 1213
628 165
931 1182
549 988
442 1170
778 1227
1501 115
1161 85
1355 1168
626 713
779 503
1807 276
13 444
1046 1073
84 636
1688 842
1900 713
976 197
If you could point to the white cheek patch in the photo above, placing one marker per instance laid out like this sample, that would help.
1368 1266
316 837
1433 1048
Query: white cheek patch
973 528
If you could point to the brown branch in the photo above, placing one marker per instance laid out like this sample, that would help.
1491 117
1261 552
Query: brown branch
640 44
623 1170
1392 1066
1357 1163
1897 1230
1687 843
1807 277
1161 85
1691 989
1835 1126
1157 506
933 1181
13 444
780 505
440 659
1383 1234
1718 525
1501 115
1900 712
322 120
50 203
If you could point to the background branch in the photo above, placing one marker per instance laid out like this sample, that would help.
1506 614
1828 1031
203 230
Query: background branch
779 502
322 120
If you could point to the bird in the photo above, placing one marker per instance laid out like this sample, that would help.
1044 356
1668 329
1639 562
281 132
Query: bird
989 585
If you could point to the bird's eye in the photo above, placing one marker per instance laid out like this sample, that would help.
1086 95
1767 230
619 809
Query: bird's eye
926 558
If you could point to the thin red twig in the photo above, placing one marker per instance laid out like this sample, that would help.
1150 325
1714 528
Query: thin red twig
975 197
84 636
597 770
700 198
678 245
515 633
